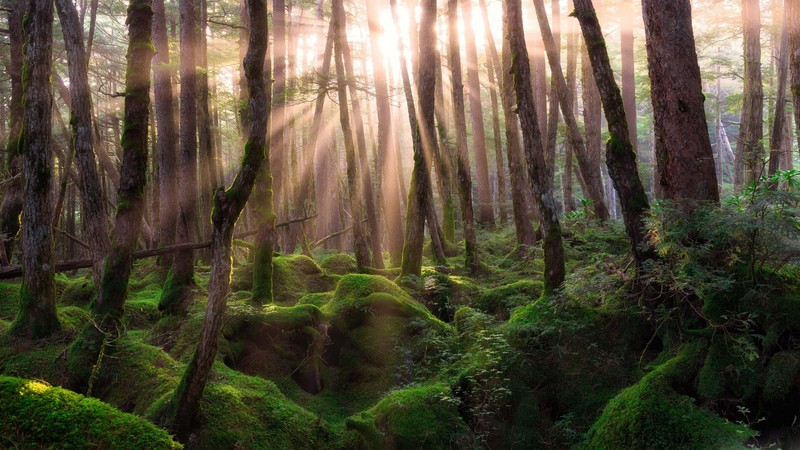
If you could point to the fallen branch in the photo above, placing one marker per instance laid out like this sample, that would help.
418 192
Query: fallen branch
65 266
330 236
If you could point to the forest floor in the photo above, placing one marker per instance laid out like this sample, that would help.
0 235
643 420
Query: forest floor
446 360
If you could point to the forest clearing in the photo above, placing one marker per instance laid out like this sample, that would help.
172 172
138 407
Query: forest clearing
491 224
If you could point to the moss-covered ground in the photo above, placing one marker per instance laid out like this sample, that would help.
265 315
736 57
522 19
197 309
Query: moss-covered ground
446 360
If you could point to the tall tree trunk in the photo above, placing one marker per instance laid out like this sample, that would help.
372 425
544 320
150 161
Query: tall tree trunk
749 149
793 12
520 186
278 117
11 206
572 87
590 167
391 197
627 15
485 209
340 41
472 257
166 138
208 177
552 116
228 205
178 287
534 151
93 207
37 317
620 156
778 125
683 149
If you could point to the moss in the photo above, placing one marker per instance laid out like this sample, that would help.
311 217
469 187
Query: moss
319 299
9 300
35 415
141 307
653 414
339 264
782 372
293 277
76 291
42 360
727 369
424 417
174 296
503 299
73 319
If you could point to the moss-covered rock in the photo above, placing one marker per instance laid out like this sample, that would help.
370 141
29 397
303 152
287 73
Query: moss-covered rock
339 264
654 414
424 417
293 277
781 376
35 415
9 301
503 299
78 291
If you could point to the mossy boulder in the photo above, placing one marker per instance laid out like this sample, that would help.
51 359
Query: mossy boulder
293 277
9 301
339 264
35 415
654 414
423 417
78 291
782 376
503 299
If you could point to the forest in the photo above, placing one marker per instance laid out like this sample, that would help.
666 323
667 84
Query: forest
361 224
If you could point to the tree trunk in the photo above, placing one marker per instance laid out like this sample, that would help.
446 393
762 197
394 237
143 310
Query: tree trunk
485 209
627 15
93 210
620 156
208 176
227 208
534 151
165 135
553 117
353 188
683 149
37 317
391 197
11 206
177 290
590 167
749 149
793 12
572 87
778 125
472 257
520 186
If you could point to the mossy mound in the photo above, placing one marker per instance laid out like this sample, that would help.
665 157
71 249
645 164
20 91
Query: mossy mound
339 264
9 301
501 300
424 417
293 277
35 415
78 291
141 306
654 414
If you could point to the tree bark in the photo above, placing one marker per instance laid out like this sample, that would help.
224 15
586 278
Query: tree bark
36 317
793 13
683 149
628 74
93 210
228 205
177 290
749 148
620 156
778 125
485 209
572 87
472 256
534 151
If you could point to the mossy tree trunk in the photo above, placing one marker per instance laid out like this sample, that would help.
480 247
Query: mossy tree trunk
228 205
472 256
534 151
779 123
589 167
686 172
572 86
166 139
37 317
11 205
93 209
180 282
620 153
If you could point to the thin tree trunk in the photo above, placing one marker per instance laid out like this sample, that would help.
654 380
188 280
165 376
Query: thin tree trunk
620 156
572 86
553 117
472 256
485 209
228 205
36 317
627 15
749 149
778 125
534 151
682 146
793 12
208 178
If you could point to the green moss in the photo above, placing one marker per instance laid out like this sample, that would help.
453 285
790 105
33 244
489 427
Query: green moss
78 291
339 264
174 296
73 319
501 300
653 414
424 417
141 307
9 300
319 299
728 369
293 277
35 415
780 377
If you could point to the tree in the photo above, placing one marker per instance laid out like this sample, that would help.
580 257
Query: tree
793 12
485 210
37 317
177 290
627 75
750 149
620 155
472 258
228 205
534 150
683 149
92 201
779 124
